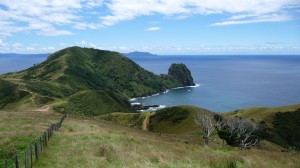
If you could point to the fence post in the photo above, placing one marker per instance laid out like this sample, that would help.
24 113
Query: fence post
31 156
42 141
41 144
6 164
26 163
36 151
45 137
17 162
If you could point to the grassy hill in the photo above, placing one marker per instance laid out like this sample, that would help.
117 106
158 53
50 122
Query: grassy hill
266 114
171 120
84 143
127 119
178 120
84 68
283 122
93 103
78 73
87 143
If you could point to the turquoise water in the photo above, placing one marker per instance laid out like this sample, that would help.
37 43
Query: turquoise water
230 82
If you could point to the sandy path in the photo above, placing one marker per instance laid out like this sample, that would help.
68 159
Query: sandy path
146 121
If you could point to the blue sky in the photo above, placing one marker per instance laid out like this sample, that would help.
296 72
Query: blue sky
156 26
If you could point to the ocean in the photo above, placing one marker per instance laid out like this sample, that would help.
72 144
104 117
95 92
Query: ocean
226 83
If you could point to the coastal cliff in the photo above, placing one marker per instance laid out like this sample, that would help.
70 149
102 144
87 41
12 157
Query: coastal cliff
66 73
181 73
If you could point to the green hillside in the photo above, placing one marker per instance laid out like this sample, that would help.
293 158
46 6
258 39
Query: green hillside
65 76
93 103
266 114
84 68
171 120
283 122
135 120
179 120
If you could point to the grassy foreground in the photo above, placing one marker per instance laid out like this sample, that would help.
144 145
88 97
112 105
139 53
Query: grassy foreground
84 143
19 129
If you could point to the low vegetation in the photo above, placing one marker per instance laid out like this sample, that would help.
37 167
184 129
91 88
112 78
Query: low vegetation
87 143
178 120
19 129
127 119
282 123
286 129
93 103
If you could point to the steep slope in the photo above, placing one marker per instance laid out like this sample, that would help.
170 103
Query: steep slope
182 74
76 69
83 68
93 103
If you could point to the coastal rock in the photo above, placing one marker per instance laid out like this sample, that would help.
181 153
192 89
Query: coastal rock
181 73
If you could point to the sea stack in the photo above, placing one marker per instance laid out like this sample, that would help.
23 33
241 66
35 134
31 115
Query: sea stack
181 73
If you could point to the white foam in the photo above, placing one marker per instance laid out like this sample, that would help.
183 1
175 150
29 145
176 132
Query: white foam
133 99
196 85
162 106
166 91
154 108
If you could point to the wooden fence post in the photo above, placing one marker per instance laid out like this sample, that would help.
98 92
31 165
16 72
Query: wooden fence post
41 144
17 161
31 156
26 163
36 151
45 137
6 164
42 141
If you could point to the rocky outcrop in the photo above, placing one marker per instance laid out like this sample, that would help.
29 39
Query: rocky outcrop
182 74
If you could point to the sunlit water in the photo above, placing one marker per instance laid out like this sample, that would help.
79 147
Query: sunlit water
226 82
230 82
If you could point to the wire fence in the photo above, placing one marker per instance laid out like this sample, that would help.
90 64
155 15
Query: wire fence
33 152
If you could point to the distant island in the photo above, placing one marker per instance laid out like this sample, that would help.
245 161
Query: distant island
139 54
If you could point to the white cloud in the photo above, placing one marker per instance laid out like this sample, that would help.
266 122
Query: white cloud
43 17
59 17
123 48
93 45
259 19
48 48
82 42
17 45
127 10
153 28
30 49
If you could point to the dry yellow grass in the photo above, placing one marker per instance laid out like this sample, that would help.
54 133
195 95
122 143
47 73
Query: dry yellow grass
84 143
